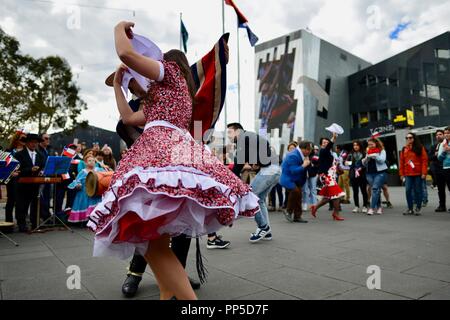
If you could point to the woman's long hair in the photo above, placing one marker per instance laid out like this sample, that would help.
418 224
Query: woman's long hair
180 58
417 146
377 142
15 140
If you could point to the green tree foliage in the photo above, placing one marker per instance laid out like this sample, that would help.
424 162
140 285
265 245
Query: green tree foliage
39 91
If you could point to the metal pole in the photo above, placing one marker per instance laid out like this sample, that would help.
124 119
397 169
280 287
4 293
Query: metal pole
223 31
239 74
181 40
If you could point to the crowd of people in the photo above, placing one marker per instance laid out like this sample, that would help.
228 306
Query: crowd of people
157 202
68 199
309 171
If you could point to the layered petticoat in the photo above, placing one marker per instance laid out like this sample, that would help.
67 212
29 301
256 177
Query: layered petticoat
330 188
143 203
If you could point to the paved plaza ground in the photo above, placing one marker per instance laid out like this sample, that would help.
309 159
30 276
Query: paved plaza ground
319 260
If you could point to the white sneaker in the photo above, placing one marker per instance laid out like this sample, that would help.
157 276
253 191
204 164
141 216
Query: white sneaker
364 209
356 210
370 212
380 210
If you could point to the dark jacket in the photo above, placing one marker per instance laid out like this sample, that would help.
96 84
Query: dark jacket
26 163
435 163
326 159
252 149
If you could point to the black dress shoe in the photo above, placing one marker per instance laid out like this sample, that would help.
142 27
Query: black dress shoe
131 285
440 209
194 283
300 220
23 229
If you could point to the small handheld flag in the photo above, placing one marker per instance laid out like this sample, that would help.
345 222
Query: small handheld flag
68 152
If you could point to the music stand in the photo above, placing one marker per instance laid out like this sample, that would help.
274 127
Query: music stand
53 167
6 172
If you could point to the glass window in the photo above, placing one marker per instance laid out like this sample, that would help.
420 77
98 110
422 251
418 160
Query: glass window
355 119
420 110
430 73
363 119
384 114
443 67
433 92
433 110
442 53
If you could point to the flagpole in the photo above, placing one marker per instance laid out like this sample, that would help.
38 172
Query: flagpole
223 31
239 74
181 36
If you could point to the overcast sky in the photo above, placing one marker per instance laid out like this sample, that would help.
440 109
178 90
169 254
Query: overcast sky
371 29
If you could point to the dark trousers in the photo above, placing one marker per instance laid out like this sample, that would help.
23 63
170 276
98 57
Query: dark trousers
360 183
27 195
11 194
61 192
442 181
278 189
45 201
180 246
294 203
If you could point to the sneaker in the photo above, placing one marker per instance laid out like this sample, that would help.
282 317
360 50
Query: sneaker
268 236
259 234
356 210
408 212
440 209
379 210
370 212
364 210
417 212
389 205
217 243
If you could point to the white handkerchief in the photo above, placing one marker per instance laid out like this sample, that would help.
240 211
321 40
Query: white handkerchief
147 48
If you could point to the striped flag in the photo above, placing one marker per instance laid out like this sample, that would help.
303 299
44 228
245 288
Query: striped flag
210 79
243 22
68 152
6 156
65 176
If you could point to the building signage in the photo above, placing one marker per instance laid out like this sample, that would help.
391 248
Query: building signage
404 119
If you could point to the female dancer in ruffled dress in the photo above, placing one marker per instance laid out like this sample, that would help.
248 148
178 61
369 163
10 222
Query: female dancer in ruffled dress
166 184
330 192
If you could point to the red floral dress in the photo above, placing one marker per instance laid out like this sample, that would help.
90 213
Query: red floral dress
167 183
330 187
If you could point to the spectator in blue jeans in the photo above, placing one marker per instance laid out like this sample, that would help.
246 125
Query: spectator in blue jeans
413 170
254 150
375 162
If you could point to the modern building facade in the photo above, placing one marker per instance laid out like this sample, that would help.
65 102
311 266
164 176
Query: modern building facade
417 80
302 86
305 83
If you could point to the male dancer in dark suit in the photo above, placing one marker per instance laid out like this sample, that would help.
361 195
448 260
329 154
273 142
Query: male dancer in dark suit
31 163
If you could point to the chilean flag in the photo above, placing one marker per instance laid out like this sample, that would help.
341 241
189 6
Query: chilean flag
210 78
68 152
243 22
